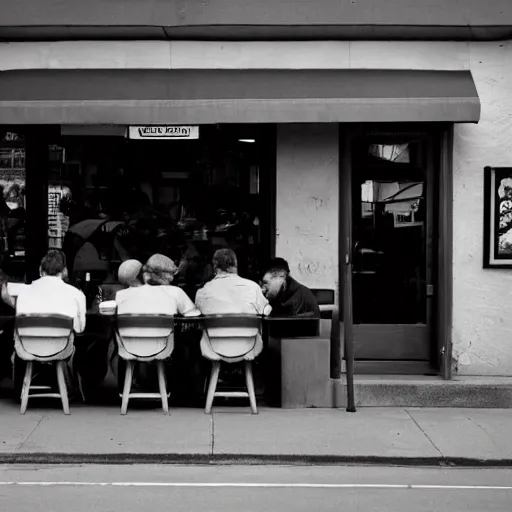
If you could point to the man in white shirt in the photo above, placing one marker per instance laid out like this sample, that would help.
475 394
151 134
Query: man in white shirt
228 293
51 295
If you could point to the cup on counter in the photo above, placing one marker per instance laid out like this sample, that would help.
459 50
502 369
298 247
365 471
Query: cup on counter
108 307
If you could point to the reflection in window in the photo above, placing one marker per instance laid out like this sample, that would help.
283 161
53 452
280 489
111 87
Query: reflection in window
12 206
400 199
398 153
112 199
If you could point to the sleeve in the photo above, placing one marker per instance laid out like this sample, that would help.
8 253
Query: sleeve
79 321
262 305
200 299
185 306
6 297
119 297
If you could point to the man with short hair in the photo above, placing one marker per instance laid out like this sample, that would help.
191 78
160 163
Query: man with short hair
287 296
46 296
51 295
228 293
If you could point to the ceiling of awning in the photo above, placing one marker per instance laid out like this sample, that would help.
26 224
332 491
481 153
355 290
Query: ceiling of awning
235 96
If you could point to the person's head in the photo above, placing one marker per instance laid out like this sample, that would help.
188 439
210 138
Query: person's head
53 264
224 262
158 270
130 273
274 279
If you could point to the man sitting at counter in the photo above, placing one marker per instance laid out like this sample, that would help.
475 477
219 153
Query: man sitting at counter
51 295
287 296
229 293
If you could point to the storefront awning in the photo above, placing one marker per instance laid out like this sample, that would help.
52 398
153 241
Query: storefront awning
235 96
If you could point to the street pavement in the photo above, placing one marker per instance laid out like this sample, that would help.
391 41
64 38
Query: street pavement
232 434
252 488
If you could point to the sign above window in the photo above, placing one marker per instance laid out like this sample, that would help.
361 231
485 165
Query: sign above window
163 132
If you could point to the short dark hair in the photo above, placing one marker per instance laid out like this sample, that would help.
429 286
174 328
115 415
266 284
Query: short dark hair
225 260
53 263
278 265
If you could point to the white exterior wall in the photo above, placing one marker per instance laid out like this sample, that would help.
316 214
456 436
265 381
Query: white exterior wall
307 202
307 179
482 313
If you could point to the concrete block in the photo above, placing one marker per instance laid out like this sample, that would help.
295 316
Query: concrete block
325 327
483 434
104 430
473 392
305 369
387 432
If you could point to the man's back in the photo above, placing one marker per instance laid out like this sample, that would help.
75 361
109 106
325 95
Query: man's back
296 299
51 295
230 293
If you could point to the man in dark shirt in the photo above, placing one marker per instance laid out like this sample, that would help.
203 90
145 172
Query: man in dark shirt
287 296
290 302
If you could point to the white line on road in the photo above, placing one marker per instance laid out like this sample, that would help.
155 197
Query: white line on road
260 485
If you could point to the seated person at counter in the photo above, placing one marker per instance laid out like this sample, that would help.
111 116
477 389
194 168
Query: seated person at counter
287 296
51 295
230 293
129 273
157 295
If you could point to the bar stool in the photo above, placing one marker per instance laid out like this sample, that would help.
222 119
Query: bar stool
231 338
46 339
144 338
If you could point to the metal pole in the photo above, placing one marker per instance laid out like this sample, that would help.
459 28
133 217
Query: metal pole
335 344
348 335
345 258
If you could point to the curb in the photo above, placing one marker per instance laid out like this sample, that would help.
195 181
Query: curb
245 459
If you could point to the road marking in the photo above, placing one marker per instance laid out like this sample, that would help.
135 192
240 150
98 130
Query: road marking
260 485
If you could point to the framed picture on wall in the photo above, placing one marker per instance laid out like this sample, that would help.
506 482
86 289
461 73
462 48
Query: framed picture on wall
497 217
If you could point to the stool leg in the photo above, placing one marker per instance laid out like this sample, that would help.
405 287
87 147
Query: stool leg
25 390
250 386
212 386
63 390
162 386
127 386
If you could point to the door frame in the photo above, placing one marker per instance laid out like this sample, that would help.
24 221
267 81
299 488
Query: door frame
440 157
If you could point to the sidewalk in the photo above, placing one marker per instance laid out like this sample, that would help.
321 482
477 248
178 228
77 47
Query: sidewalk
371 435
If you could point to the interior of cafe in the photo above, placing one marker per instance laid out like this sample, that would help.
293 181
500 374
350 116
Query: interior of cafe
111 198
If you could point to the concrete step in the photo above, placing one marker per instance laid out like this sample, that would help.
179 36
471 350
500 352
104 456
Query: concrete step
409 391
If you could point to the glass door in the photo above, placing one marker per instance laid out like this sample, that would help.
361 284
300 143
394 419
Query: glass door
392 247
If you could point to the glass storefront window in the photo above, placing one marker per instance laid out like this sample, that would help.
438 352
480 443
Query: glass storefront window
112 198
12 205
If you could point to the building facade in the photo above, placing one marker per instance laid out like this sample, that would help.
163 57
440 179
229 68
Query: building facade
373 122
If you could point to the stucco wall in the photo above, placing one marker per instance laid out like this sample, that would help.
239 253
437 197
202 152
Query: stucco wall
482 312
307 202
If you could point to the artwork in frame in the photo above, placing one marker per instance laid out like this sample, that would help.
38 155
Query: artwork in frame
498 217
